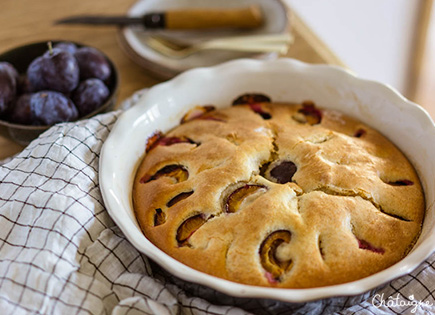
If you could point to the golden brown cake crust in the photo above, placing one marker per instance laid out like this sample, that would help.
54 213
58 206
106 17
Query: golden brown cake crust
209 195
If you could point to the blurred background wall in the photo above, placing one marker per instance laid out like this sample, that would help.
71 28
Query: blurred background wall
392 41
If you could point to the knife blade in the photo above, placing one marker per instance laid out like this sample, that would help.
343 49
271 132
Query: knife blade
185 19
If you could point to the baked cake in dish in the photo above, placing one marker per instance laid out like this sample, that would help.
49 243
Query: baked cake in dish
280 195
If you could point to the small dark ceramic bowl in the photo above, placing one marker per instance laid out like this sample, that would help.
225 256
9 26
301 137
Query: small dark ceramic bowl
20 58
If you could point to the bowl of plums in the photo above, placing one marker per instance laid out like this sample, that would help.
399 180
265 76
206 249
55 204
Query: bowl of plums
50 82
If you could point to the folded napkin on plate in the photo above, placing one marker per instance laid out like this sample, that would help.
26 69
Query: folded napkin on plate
60 252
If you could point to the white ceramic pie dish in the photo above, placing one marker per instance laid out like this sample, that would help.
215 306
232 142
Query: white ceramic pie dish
403 122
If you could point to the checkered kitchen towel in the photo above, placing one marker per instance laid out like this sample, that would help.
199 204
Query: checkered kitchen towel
60 252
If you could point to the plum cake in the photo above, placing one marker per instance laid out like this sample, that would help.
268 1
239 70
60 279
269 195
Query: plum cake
276 194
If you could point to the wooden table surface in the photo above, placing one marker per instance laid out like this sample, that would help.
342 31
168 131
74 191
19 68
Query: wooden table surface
26 21
423 75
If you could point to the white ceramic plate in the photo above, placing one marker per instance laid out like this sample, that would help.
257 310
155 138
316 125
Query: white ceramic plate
377 105
133 40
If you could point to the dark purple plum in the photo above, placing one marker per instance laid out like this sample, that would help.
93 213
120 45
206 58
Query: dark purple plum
22 112
283 172
92 64
56 70
251 98
8 88
44 108
24 86
10 68
66 46
53 107
90 95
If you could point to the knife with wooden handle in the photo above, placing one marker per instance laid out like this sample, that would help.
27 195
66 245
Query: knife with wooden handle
181 19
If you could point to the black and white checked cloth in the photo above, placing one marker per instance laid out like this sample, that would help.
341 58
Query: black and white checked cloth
60 252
